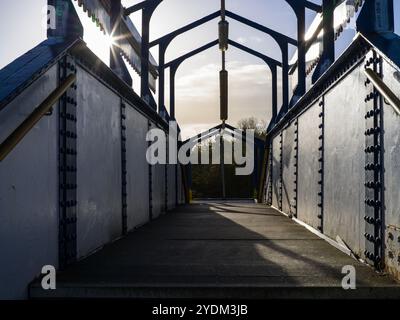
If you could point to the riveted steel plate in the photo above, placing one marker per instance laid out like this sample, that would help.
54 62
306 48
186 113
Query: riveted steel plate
29 192
308 167
344 161
289 170
99 164
276 171
391 77
137 168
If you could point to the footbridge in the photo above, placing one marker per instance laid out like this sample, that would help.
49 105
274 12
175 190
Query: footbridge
80 191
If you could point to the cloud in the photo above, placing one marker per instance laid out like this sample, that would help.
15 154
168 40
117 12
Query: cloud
256 39
241 40
204 82
197 96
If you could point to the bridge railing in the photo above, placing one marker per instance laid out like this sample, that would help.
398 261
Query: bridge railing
79 179
334 158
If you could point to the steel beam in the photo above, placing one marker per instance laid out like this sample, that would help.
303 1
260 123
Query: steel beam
148 9
282 40
136 7
190 54
272 64
328 53
169 37
279 37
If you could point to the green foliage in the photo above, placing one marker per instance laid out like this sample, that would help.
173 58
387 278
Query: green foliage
206 179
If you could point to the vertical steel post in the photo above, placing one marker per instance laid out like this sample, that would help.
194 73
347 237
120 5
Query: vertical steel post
328 12
374 169
145 54
124 192
328 50
285 76
296 167
68 24
270 180
117 64
150 182
172 74
222 165
274 74
321 128
301 62
161 77
281 171
147 13
68 204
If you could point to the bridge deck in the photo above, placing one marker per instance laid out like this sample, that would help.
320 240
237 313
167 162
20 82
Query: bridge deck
237 250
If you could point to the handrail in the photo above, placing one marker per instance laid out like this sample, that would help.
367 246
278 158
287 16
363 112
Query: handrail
383 89
18 134
265 169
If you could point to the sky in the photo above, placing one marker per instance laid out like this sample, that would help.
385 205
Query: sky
197 88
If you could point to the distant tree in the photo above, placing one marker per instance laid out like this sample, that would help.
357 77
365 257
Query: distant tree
252 123
206 179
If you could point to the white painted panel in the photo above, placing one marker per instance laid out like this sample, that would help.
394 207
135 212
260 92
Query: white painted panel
158 188
392 174
392 150
344 161
308 167
137 168
288 164
29 193
276 171
99 165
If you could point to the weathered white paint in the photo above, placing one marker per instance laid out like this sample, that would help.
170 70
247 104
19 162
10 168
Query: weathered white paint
99 165
276 171
29 192
137 169
288 172
308 167
344 161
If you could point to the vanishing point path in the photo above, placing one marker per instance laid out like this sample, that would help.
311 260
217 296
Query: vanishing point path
219 250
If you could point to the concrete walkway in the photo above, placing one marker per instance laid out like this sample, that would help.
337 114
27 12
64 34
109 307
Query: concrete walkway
218 250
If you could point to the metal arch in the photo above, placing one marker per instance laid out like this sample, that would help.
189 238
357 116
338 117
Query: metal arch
148 7
299 6
282 40
272 64
278 37
177 62
268 60
295 4
170 36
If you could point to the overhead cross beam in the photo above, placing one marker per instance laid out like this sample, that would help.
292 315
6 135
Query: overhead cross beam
299 6
313 6
281 39
272 64
190 54
136 7
268 60
169 37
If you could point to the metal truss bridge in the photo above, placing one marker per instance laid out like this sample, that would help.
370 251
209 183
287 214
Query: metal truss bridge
78 193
